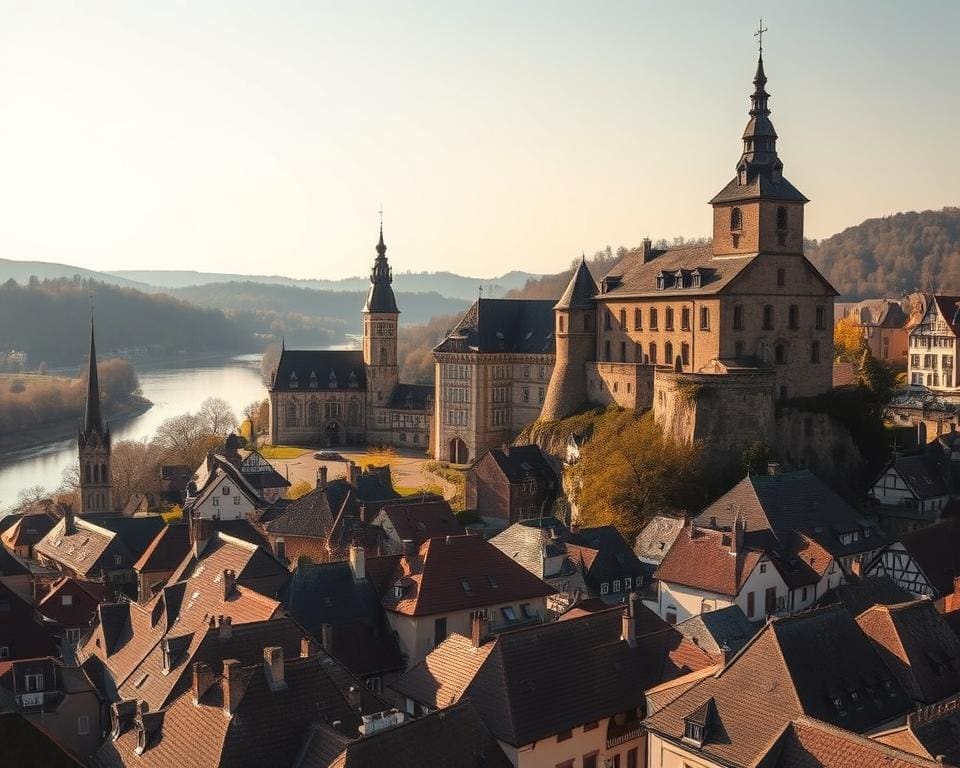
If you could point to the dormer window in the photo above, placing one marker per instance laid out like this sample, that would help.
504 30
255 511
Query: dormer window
693 732
293 381
332 381
661 281
695 278
679 280
313 380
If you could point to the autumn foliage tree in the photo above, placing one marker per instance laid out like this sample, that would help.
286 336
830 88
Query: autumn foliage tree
629 471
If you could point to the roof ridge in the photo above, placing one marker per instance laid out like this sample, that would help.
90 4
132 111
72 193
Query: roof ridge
79 519
888 749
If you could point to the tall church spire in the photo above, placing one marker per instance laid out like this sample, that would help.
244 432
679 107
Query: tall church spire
759 137
92 415
380 297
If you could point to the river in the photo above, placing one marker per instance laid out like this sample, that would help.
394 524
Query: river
172 390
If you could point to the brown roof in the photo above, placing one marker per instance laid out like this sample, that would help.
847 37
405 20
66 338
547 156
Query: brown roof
458 573
29 529
936 549
809 743
88 550
171 545
918 647
451 738
817 664
533 683
419 522
86 596
33 747
701 558
23 631
267 728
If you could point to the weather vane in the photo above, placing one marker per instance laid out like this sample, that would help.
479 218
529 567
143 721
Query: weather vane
759 34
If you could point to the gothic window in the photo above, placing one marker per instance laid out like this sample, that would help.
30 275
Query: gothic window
623 319
736 220
704 318
768 317
637 319
353 412
96 473
653 353
794 317
291 414
669 318
653 319
313 413
781 218
780 354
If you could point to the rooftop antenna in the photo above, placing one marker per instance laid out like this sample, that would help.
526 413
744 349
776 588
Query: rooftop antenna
759 35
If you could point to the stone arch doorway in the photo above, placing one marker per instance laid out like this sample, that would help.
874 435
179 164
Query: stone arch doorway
333 434
458 451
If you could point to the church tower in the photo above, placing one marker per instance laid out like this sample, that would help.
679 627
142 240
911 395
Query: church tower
759 211
93 443
380 319
576 342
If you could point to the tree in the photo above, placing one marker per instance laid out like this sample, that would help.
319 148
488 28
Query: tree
848 341
134 466
216 417
183 440
629 471
256 414
298 489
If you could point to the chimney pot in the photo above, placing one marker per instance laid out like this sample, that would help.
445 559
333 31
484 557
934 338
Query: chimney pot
322 477
229 582
409 548
69 520
273 667
646 249
479 627
201 530
231 685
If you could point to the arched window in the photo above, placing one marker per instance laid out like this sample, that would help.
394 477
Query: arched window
736 220
637 319
780 354
291 414
653 318
623 319
653 353
781 217
313 413
704 318
768 317
669 318
668 353
685 353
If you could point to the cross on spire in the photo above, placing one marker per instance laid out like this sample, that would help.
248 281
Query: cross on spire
759 35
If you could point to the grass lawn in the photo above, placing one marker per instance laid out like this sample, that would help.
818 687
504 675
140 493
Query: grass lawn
282 451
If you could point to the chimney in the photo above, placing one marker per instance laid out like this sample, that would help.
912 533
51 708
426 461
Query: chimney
229 582
226 627
358 565
628 632
354 473
202 680
69 520
479 627
308 647
321 477
273 667
646 249
774 468
409 547
353 698
201 530
736 537
232 686
725 653
326 637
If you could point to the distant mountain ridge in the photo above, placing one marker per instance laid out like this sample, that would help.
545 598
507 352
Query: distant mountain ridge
447 284
22 271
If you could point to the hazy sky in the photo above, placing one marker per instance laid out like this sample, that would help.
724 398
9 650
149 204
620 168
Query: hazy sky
262 137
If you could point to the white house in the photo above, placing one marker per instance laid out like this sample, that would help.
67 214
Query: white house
220 492
912 491
932 347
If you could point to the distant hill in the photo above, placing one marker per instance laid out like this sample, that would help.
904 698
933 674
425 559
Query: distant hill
22 271
894 255
446 284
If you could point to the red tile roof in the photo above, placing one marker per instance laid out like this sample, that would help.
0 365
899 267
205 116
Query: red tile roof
419 522
702 558
457 573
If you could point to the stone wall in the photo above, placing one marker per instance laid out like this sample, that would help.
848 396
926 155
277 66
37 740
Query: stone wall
628 385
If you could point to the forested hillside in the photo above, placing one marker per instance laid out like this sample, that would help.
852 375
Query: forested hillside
894 255
50 319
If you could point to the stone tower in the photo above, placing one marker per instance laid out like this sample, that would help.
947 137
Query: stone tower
93 443
576 343
380 319
759 211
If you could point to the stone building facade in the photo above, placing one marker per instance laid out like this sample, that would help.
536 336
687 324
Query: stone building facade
339 397
492 373
709 333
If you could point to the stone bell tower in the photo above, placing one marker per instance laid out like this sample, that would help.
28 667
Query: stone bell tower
380 320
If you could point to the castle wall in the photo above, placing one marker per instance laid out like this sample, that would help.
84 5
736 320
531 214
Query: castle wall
628 385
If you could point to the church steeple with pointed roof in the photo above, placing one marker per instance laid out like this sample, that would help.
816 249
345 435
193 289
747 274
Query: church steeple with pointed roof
380 297
93 444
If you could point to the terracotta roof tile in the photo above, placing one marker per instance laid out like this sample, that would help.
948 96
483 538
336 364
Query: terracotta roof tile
701 558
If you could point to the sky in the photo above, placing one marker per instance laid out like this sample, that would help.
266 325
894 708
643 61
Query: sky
263 137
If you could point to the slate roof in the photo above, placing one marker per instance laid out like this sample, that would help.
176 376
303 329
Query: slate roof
411 397
135 532
33 747
936 549
262 478
435 578
90 549
858 594
531 542
700 558
267 728
794 501
809 743
580 290
761 187
29 529
794 667
310 516
918 647
922 474
533 683
613 557
327 593
518 463
522 326
657 536
450 738
418 522
886 313
930 731
332 370
715 631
